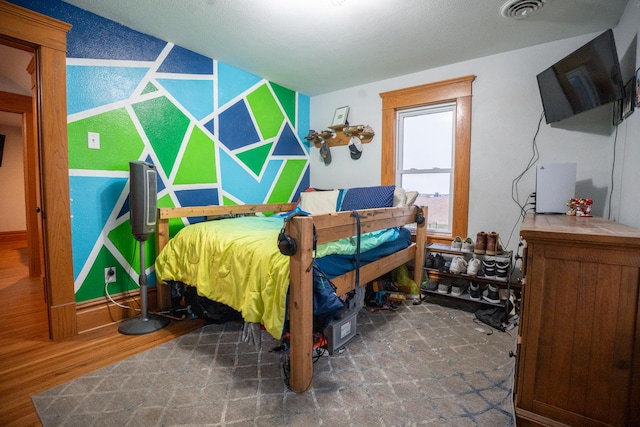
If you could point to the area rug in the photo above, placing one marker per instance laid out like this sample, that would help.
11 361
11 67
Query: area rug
427 364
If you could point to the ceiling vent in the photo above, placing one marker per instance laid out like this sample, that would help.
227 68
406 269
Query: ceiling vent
519 9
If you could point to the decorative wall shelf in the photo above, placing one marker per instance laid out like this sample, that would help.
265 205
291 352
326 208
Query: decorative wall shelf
341 135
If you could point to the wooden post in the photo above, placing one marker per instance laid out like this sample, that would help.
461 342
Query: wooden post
301 304
421 241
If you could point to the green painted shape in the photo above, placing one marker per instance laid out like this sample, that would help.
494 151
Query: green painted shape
287 98
129 247
228 202
256 157
266 111
175 224
119 142
165 126
93 285
287 182
198 165
150 88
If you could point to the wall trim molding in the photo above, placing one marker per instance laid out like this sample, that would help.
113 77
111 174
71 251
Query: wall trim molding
100 312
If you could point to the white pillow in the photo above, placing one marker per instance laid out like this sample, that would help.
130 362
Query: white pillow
411 198
319 202
399 197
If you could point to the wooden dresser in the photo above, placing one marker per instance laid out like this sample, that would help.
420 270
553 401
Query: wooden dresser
578 359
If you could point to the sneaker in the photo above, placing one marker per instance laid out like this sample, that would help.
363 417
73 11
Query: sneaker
458 287
467 245
429 285
481 243
456 245
473 267
491 294
444 287
502 270
430 261
439 262
489 268
458 265
474 291
492 243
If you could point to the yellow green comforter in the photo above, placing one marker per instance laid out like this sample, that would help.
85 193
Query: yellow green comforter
237 262
233 261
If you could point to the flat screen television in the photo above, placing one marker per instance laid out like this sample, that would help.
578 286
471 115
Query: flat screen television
585 79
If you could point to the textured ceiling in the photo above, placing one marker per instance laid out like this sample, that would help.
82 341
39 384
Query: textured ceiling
318 46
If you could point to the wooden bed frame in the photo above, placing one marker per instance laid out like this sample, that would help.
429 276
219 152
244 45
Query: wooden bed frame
328 227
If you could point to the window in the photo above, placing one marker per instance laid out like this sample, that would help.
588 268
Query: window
414 102
425 147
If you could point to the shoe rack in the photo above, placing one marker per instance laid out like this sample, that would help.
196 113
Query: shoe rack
441 274
341 135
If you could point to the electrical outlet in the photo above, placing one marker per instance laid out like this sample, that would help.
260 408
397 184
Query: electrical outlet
93 140
110 275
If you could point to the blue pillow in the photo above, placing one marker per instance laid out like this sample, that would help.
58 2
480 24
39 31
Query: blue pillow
380 196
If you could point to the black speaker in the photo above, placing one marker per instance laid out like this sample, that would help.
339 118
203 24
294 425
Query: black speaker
142 199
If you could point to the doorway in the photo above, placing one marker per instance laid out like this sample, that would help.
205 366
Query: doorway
46 37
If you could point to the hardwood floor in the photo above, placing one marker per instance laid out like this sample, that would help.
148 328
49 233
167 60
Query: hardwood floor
30 363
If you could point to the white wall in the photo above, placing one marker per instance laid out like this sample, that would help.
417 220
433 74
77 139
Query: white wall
626 196
505 115
12 211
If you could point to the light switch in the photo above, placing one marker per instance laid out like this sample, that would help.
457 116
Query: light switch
93 140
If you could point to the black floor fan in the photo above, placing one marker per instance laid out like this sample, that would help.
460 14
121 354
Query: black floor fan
142 204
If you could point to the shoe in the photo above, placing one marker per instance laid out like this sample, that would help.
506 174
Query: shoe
481 243
491 294
492 243
467 245
502 270
458 287
444 287
456 245
439 262
430 261
474 291
489 268
429 285
473 267
458 265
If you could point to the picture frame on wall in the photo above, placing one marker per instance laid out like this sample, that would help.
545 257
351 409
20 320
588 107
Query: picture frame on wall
629 96
617 112
340 116
636 100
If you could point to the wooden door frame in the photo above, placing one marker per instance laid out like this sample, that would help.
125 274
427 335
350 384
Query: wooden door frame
22 104
47 37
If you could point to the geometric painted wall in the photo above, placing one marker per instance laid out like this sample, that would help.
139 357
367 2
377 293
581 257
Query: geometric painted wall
216 134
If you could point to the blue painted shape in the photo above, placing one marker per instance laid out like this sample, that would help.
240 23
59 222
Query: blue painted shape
185 61
241 184
125 208
92 36
196 96
304 121
210 126
95 86
304 184
93 200
236 127
199 197
232 82
288 144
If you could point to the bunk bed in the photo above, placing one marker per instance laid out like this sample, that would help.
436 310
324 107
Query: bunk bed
308 231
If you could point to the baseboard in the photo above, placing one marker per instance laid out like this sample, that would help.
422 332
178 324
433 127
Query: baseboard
100 312
13 236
